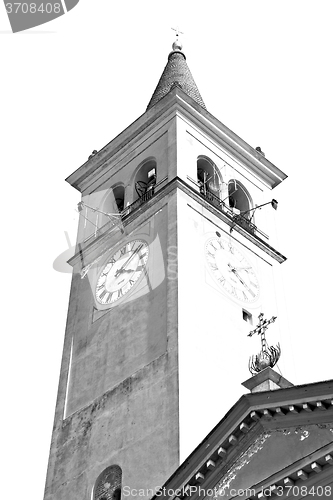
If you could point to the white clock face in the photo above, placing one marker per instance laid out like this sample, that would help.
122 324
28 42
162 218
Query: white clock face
231 270
121 272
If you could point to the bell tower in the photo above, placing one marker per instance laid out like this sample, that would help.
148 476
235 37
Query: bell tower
173 264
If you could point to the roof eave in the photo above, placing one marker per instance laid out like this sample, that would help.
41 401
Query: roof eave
252 159
130 133
247 403
271 175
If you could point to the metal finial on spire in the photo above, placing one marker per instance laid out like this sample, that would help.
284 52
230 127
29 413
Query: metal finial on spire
268 355
177 45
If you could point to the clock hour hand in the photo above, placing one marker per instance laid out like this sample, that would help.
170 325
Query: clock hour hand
125 271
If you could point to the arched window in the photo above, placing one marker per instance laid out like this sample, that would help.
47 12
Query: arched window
114 200
239 198
108 484
208 176
119 195
145 180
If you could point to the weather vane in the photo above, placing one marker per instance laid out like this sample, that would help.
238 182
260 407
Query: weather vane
177 32
269 355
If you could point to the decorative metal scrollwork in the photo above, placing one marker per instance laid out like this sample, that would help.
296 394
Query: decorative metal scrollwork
142 187
266 358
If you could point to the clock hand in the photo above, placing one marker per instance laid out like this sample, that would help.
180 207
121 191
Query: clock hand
233 269
128 260
126 271
242 268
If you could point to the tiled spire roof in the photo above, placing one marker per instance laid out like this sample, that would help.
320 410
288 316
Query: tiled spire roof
176 72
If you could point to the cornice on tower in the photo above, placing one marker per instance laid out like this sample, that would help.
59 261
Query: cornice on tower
176 73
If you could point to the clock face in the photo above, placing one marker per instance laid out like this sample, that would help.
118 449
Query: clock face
231 270
121 272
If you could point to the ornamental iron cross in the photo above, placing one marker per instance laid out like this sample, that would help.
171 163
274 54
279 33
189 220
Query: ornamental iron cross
269 355
261 330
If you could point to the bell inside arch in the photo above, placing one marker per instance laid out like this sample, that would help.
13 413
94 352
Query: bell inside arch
239 198
208 176
213 186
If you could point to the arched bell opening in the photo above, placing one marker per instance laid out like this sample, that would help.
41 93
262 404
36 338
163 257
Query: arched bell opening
108 484
208 177
114 200
113 203
145 180
119 196
239 198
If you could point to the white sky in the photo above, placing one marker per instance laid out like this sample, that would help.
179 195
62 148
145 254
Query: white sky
68 87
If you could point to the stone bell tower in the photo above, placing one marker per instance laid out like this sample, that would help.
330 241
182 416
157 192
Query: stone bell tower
172 262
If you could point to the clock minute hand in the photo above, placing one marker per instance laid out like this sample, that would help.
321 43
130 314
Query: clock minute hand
233 269
128 260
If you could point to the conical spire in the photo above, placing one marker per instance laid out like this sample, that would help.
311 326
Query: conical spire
176 72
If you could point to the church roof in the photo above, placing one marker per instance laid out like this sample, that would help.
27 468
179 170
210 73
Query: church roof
269 439
176 72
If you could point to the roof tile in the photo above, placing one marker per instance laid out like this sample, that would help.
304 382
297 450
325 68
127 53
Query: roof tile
176 72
